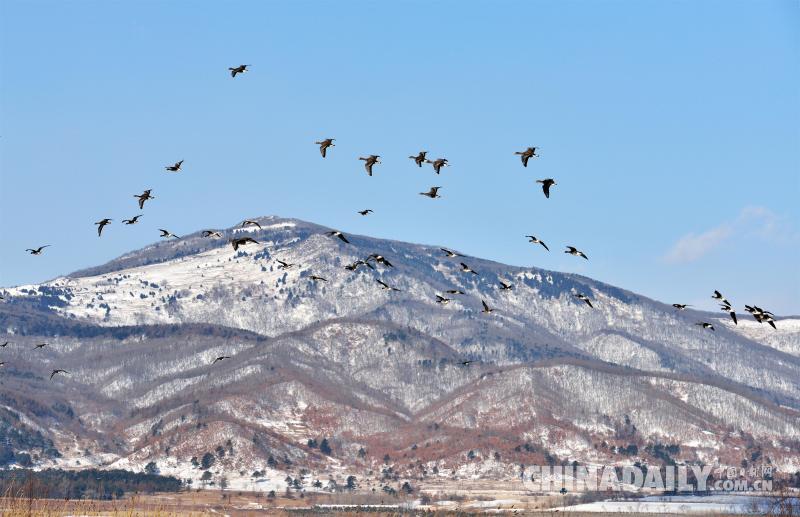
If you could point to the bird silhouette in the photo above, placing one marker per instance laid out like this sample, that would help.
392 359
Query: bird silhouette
355 265
318 278
454 291
369 161
40 345
438 164
102 224
535 240
144 196
572 250
380 259
466 269
726 307
385 286
37 251
132 220
238 70
250 222
241 242
284 265
583 297
433 193
486 309
340 235
324 144
212 233
365 212
57 371
450 254
220 358
420 158
174 167
167 234
4 344
504 286
546 184
681 306
527 154
705 325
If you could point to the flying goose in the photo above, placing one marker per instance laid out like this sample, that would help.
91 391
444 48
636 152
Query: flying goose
132 220
250 222
438 164
454 291
442 300
486 309
705 325
174 167
369 161
504 286
284 265
340 235
212 233
41 345
4 344
583 297
57 371
318 278
365 212
380 260
465 268
101 224
433 193
535 240
324 144
761 315
241 242
572 250
527 154
238 70
718 296
144 196
450 254
726 307
354 266
466 363
385 286
546 184
681 306
167 234
420 158
220 358
37 251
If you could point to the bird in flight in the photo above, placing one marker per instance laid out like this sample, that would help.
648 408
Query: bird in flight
365 212
433 193
454 291
527 154
486 309
221 358
369 161
572 250
354 266
726 307
284 265
546 184
466 363
241 242
466 269
340 235
250 222
102 224
57 371
380 260
144 196
212 233
167 234
442 300
175 167
535 240
2 363
420 158
761 315
438 164
238 70
450 254
385 286
318 278
718 296
705 325
681 306
504 286
324 144
37 251
583 297
4 344
132 220
40 345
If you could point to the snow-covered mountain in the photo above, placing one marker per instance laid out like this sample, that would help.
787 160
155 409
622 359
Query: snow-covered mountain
379 372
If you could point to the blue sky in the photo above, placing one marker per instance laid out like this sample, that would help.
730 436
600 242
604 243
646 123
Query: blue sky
670 127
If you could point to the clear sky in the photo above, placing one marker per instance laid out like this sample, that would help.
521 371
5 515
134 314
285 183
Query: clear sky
671 128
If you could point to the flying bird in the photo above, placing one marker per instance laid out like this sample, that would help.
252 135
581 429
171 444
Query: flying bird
442 300
212 233
250 222
504 286
340 235
369 161
466 363
438 164
572 250
318 278
238 70
527 154
466 269
132 220
365 212
354 266
174 167
4 344
450 254
705 325
420 158
535 240
718 296
681 306
380 260
57 371
37 251
167 234
486 309
220 358
284 265
101 224
726 307
40 345
433 193
144 196
324 144
241 242
546 184
454 291
583 297
385 286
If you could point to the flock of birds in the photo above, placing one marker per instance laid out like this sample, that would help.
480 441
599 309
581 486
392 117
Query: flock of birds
372 261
